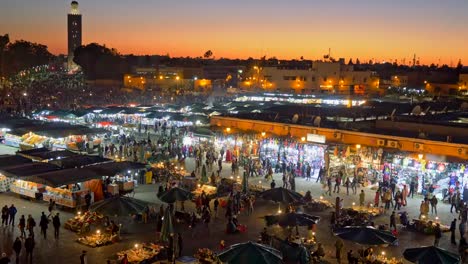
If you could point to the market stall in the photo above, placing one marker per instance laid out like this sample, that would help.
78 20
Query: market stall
81 222
443 177
141 252
70 196
98 239
28 189
360 161
287 151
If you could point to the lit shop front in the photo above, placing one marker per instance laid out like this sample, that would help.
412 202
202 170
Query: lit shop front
283 151
360 161
443 176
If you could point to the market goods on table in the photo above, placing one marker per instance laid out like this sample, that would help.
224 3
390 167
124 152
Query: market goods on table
205 255
81 223
98 239
141 252
208 189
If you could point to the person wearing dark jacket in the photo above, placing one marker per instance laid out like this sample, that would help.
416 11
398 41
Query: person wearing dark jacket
56 224
44 224
12 211
453 227
17 248
29 246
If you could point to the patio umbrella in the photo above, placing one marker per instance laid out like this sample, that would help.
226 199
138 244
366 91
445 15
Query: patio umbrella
119 206
431 254
250 253
365 235
174 195
281 195
292 219
245 183
167 228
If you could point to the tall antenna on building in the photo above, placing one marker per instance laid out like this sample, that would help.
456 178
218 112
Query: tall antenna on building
414 59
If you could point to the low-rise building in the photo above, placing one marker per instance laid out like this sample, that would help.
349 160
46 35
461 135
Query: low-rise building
330 77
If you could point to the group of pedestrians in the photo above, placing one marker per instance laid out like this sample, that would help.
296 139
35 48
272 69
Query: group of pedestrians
27 241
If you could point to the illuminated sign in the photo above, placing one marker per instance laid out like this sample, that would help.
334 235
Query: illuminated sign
316 138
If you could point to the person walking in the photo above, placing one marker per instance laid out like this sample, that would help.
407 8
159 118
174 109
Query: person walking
12 212
354 184
44 224
462 229
56 224
393 220
29 246
434 202
338 183
362 198
30 224
412 189
83 257
437 235
347 184
453 203
17 248
5 215
329 184
338 250
22 226
453 227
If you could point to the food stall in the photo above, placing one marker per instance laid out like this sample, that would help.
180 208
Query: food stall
69 196
26 188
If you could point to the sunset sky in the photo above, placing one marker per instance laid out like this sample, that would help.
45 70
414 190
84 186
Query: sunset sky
436 30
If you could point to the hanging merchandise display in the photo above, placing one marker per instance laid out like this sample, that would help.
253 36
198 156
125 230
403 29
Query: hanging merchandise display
439 178
288 152
360 161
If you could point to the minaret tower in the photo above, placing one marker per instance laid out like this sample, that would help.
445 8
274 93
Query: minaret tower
74 32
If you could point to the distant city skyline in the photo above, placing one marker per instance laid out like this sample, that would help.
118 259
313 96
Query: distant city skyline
366 29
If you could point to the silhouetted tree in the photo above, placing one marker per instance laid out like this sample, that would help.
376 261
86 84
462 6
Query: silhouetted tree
208 54
4 40
100 62
350 62
358 62
21 55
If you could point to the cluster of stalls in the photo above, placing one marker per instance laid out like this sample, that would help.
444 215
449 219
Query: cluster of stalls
67 177
29 134
134 117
